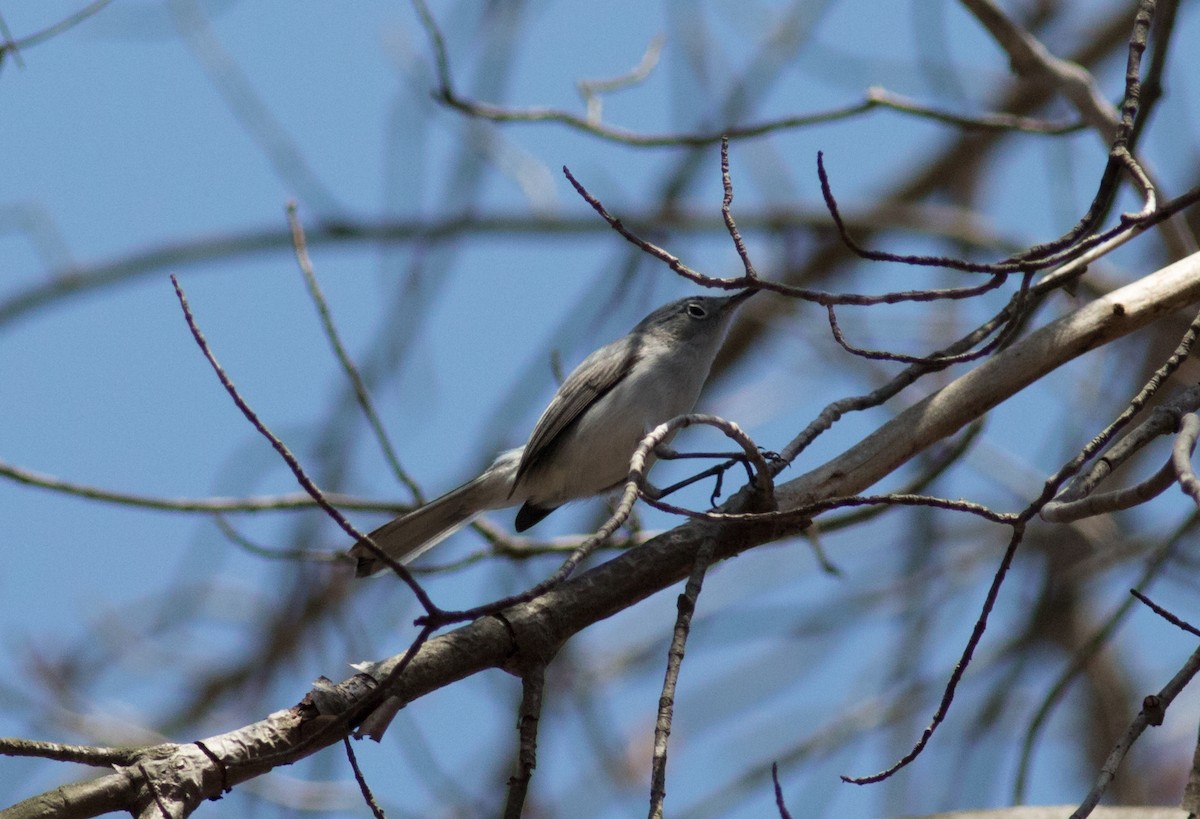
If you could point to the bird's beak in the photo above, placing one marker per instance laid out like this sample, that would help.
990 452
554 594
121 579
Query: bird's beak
736 299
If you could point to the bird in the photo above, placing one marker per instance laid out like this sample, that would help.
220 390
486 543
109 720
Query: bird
582 443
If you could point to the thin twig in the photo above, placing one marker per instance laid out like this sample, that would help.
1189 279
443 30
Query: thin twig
339 350
650 248
1088 650
1151 714
686 607
939 360
1108 502
960 668
1173 619
306 555
813 509
70 21
1164 419
1049 489
940 459
291 460
363 787
779 803
999 270
727 213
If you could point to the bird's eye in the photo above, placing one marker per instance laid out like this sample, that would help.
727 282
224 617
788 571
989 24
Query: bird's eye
696 310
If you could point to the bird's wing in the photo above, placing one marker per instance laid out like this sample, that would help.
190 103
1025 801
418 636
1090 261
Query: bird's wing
588 383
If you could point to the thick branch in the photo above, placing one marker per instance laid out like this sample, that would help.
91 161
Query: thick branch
537 629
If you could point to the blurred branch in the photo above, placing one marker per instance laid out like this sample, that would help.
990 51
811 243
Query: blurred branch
1087 651
874 98
249 108
263 503
950 223
313 555
356 381
1032 59
70 21
31 220
592 90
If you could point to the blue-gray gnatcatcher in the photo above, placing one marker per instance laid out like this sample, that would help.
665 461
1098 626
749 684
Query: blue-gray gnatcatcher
582 444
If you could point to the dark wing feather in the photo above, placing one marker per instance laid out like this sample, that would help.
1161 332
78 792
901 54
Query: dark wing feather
587 384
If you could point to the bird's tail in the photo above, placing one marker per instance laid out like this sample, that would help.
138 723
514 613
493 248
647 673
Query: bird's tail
410 535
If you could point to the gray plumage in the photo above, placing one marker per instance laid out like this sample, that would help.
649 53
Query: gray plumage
583 441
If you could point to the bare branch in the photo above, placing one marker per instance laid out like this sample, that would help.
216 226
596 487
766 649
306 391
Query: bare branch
262 503
343 357
82 754
248 106
591 90
779 803
1173 619
1030 58
1088 651
1181 457
1151 714
590 123
363 787
686 606
971 395
533 684
292 462
70 21
951 223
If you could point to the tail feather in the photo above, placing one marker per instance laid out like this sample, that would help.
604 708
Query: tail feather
410 535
